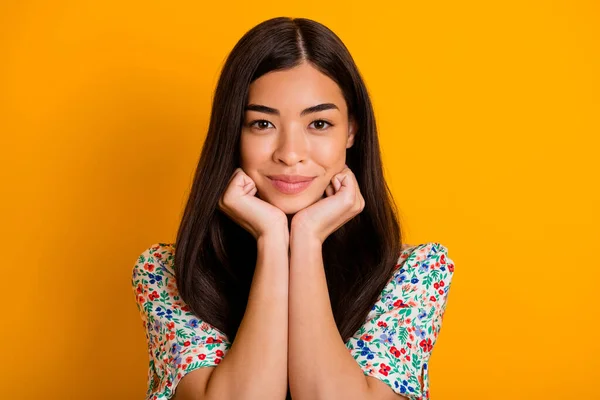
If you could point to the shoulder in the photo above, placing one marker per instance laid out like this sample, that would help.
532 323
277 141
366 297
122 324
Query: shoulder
155 259
433 254
153 273
423 272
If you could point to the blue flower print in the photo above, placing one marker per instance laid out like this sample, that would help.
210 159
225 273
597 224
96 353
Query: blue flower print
193 323
175 348
385 338
154 278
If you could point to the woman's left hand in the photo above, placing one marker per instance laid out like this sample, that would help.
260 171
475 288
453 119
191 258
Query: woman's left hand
343 202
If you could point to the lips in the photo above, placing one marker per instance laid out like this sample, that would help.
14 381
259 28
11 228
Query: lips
291 184
291 178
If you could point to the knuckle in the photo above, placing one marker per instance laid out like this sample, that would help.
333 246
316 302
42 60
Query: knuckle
348 202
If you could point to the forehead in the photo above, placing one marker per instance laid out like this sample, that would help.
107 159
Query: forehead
296 88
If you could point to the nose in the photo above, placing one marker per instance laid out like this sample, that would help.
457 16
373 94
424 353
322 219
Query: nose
292 146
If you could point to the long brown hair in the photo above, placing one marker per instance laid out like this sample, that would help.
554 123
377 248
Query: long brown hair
214 257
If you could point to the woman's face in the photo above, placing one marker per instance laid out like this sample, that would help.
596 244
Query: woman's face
296 124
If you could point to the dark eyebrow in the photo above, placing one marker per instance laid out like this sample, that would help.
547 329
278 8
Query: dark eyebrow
313 109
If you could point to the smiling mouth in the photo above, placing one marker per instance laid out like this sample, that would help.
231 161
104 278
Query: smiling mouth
290 187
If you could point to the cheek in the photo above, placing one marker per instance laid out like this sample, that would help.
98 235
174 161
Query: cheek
252 154
331 156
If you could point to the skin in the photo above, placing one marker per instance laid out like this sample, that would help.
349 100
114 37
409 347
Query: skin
293 144
314 144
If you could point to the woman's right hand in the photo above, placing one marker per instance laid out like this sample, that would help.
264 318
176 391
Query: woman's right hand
253 214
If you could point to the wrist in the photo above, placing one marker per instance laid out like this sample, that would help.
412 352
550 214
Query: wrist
305 239
275 237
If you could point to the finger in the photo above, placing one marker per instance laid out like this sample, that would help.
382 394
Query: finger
248 186
329 190
342 180
336 182
233 176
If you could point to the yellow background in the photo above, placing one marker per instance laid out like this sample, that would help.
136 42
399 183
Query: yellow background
489 120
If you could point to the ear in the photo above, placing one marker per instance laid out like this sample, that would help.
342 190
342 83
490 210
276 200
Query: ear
352 127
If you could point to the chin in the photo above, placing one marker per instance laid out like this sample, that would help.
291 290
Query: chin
290 204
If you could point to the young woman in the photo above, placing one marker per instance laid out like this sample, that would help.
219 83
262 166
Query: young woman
288 274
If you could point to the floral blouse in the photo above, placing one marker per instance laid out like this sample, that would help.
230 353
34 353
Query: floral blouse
393 345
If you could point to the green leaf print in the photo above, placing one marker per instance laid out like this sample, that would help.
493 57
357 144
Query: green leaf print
431 312
405 311
148 307
427 281
164 296
141 259
402 334
196 364
181 333
415 364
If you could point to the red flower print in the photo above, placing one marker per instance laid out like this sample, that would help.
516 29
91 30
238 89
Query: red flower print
189 359
366 337
218 341
149 267
403 351
171 335
442 283
408 320
381 323
443 259
432 298
408 358
183 366
202 356
139 288
186 343
384 369
141 299
219 353
157 255
400 303
395 351
411 337
185 308
451 267
440 291
217 361
170 325
409 345
436 286
210 339
153 296
169 383
426 345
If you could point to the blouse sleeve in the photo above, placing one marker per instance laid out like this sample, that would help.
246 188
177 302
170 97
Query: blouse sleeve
395 342
178 341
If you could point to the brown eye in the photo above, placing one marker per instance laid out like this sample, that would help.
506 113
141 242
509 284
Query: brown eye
262 124
321 125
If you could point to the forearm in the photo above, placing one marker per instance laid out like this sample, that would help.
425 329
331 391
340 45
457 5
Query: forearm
320 365
255 366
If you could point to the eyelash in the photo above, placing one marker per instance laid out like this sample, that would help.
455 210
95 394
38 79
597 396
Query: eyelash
264 120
